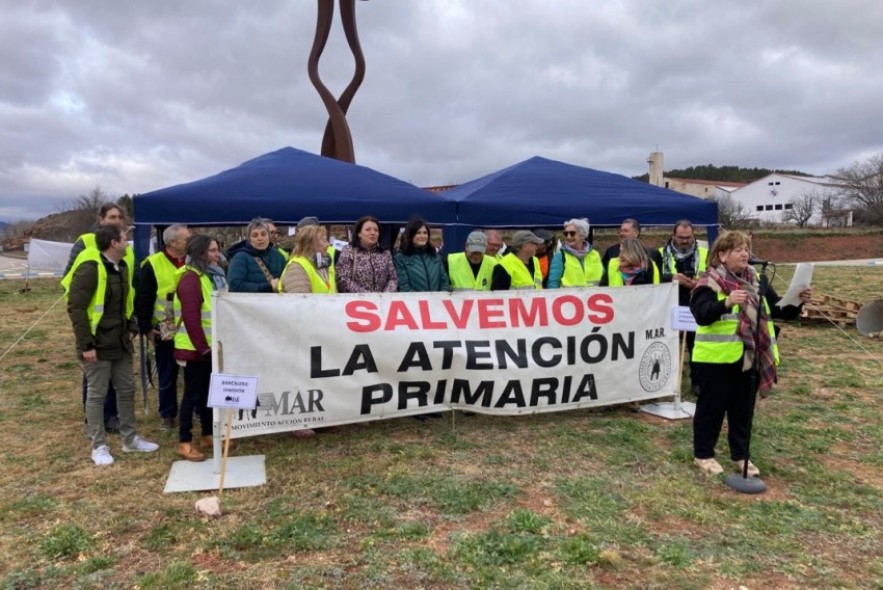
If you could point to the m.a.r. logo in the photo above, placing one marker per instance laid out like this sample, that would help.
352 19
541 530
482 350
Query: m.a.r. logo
655 367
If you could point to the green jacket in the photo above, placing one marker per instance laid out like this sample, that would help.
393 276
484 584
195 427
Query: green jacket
421 271
112 336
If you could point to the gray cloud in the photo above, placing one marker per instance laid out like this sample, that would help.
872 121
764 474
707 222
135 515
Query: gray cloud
137 96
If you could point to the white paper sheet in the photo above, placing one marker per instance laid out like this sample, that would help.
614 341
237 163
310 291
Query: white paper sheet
801 280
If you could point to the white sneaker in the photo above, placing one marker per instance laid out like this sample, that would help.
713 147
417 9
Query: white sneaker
710 466
753 471
101 456
140 445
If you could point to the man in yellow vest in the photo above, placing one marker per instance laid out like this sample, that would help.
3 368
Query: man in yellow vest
274 238
519 268
100 304
153 304
471 270
495 246
683 260
108 213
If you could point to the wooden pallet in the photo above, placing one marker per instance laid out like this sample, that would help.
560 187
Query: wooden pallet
827 308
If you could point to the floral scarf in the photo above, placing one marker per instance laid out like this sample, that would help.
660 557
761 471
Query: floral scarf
721 280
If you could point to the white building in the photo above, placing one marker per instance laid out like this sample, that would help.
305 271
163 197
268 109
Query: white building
774 198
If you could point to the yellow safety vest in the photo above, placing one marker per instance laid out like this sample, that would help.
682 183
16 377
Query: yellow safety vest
587 274
317 283
95 311
182 338
719 343
89 242
703 258
521 278
614 278
166 281
460 273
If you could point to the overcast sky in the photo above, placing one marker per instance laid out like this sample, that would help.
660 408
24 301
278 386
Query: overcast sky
134 96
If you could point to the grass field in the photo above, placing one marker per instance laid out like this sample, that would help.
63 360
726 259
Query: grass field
585 499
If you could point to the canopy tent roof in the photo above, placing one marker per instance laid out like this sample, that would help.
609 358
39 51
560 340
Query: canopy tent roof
541 192
286 185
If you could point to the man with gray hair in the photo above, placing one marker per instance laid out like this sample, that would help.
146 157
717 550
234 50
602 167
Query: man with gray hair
519 268
495 246
153 305
471 270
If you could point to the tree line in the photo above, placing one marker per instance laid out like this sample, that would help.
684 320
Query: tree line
722 173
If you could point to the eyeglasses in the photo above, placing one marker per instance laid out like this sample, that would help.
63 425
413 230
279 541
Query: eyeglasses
569 234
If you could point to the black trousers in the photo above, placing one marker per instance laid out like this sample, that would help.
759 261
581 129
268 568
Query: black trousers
167 373
197 379
724 390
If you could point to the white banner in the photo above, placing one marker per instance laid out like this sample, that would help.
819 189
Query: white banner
45 255
338 359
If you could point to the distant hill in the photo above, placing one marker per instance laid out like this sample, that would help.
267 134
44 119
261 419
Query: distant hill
3 224
57 227
722 173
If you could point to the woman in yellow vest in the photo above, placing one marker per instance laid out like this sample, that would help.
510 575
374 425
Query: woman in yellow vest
309 270
735 354
633 266
577 263
199 278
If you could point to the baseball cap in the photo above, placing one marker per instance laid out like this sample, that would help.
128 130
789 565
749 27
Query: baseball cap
476 242
525 237
545 235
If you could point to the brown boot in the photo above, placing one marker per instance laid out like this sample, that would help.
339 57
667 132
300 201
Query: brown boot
206 443
189 452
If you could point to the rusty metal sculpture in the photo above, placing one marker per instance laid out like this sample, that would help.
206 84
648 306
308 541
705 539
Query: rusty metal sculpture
337 141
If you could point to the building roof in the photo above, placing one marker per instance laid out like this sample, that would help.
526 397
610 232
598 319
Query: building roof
721 183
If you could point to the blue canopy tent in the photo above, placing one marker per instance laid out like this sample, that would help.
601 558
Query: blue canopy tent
546 193
286 185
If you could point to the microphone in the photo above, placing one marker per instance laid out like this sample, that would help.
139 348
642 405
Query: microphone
753 260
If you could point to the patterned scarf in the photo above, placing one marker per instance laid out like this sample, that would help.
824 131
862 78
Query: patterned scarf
671 255
629 272
721 280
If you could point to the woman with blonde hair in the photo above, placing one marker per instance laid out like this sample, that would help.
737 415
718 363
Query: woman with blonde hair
735 354
633 266
309 269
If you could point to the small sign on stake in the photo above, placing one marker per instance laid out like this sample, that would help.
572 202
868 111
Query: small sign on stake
682 319
233 391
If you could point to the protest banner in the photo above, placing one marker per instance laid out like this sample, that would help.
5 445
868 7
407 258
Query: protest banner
326 360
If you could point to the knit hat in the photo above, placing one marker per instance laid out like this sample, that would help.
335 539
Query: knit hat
525 237
476 242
